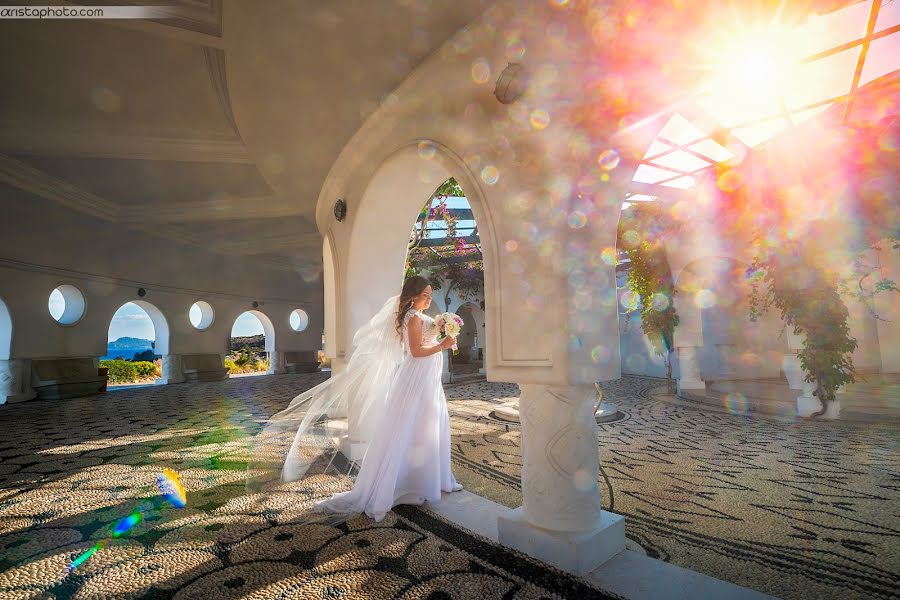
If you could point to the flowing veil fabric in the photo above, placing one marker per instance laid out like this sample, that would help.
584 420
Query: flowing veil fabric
302 440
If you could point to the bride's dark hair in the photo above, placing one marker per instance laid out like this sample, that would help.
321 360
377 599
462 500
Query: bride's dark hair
412 287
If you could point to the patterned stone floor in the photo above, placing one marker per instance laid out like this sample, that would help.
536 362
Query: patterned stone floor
794 509
71 471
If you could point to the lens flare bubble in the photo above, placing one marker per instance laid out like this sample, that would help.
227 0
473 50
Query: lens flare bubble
575 342
512 245
660 302
426 150
583 481
630 300
529 232
490 174
736 403
635 363
730 180
540 119
600 355
704 298
515 50
608 255
577 219
632 238
608 160
534 303
106 100
481 71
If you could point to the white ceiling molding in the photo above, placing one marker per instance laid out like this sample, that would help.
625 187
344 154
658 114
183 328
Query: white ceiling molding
212 210
262 245
215 64
38 140
39 183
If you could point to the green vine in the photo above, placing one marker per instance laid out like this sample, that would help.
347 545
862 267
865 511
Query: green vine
807 296
641 236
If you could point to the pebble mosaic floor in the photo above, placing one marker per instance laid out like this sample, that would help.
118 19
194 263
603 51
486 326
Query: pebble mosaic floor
72 471
795 509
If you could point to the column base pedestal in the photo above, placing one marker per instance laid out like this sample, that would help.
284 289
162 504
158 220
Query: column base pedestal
23 397
579 552
691 385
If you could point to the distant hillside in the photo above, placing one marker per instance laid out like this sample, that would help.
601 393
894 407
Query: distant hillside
256 343
126 347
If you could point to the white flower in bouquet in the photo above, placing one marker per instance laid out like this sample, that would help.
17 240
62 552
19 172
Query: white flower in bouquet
449 325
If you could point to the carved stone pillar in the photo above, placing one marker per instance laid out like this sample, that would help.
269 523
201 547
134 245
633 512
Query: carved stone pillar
172 370
561 521
276 363
446 376
793 372
15 381
689 370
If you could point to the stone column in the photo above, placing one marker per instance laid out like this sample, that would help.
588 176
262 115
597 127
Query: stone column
561 521
727 358
793 372
689 370
446 376
807 403
15 381
790 364
276 363
172 370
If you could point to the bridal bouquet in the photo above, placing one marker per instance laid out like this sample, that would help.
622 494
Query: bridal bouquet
449 325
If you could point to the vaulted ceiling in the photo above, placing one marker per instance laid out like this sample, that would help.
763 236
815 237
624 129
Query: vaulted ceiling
213 129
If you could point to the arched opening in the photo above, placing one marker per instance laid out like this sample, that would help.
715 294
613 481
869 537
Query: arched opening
406 184
252 339
5 332
137 338
444 247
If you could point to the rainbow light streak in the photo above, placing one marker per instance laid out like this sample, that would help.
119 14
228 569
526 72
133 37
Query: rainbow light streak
170 486
127 524
86 555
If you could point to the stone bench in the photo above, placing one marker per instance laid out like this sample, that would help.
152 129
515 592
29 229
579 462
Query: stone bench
59 378
203 367
305 361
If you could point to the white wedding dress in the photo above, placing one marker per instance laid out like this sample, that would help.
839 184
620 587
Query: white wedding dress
408 458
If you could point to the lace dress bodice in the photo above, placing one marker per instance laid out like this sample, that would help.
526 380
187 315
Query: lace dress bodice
429 329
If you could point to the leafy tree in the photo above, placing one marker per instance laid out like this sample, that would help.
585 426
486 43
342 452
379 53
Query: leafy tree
807 296
455 265
641 235
146 355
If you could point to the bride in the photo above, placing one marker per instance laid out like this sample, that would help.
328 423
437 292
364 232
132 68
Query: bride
392 391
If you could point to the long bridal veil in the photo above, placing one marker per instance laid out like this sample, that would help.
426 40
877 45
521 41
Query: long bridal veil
304 440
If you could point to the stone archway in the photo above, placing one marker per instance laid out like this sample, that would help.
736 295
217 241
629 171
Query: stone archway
385 215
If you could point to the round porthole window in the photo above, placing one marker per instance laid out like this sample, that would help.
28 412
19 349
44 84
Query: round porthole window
201 315
299 320
66 304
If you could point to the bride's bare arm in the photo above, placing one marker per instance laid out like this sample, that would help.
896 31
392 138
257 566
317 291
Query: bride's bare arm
415 340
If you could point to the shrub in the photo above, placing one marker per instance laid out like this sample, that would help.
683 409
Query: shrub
120 371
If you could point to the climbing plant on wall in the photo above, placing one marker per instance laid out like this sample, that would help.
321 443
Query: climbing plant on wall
806 294
642 233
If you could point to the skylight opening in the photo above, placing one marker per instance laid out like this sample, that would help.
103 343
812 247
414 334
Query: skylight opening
681 161
648 174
